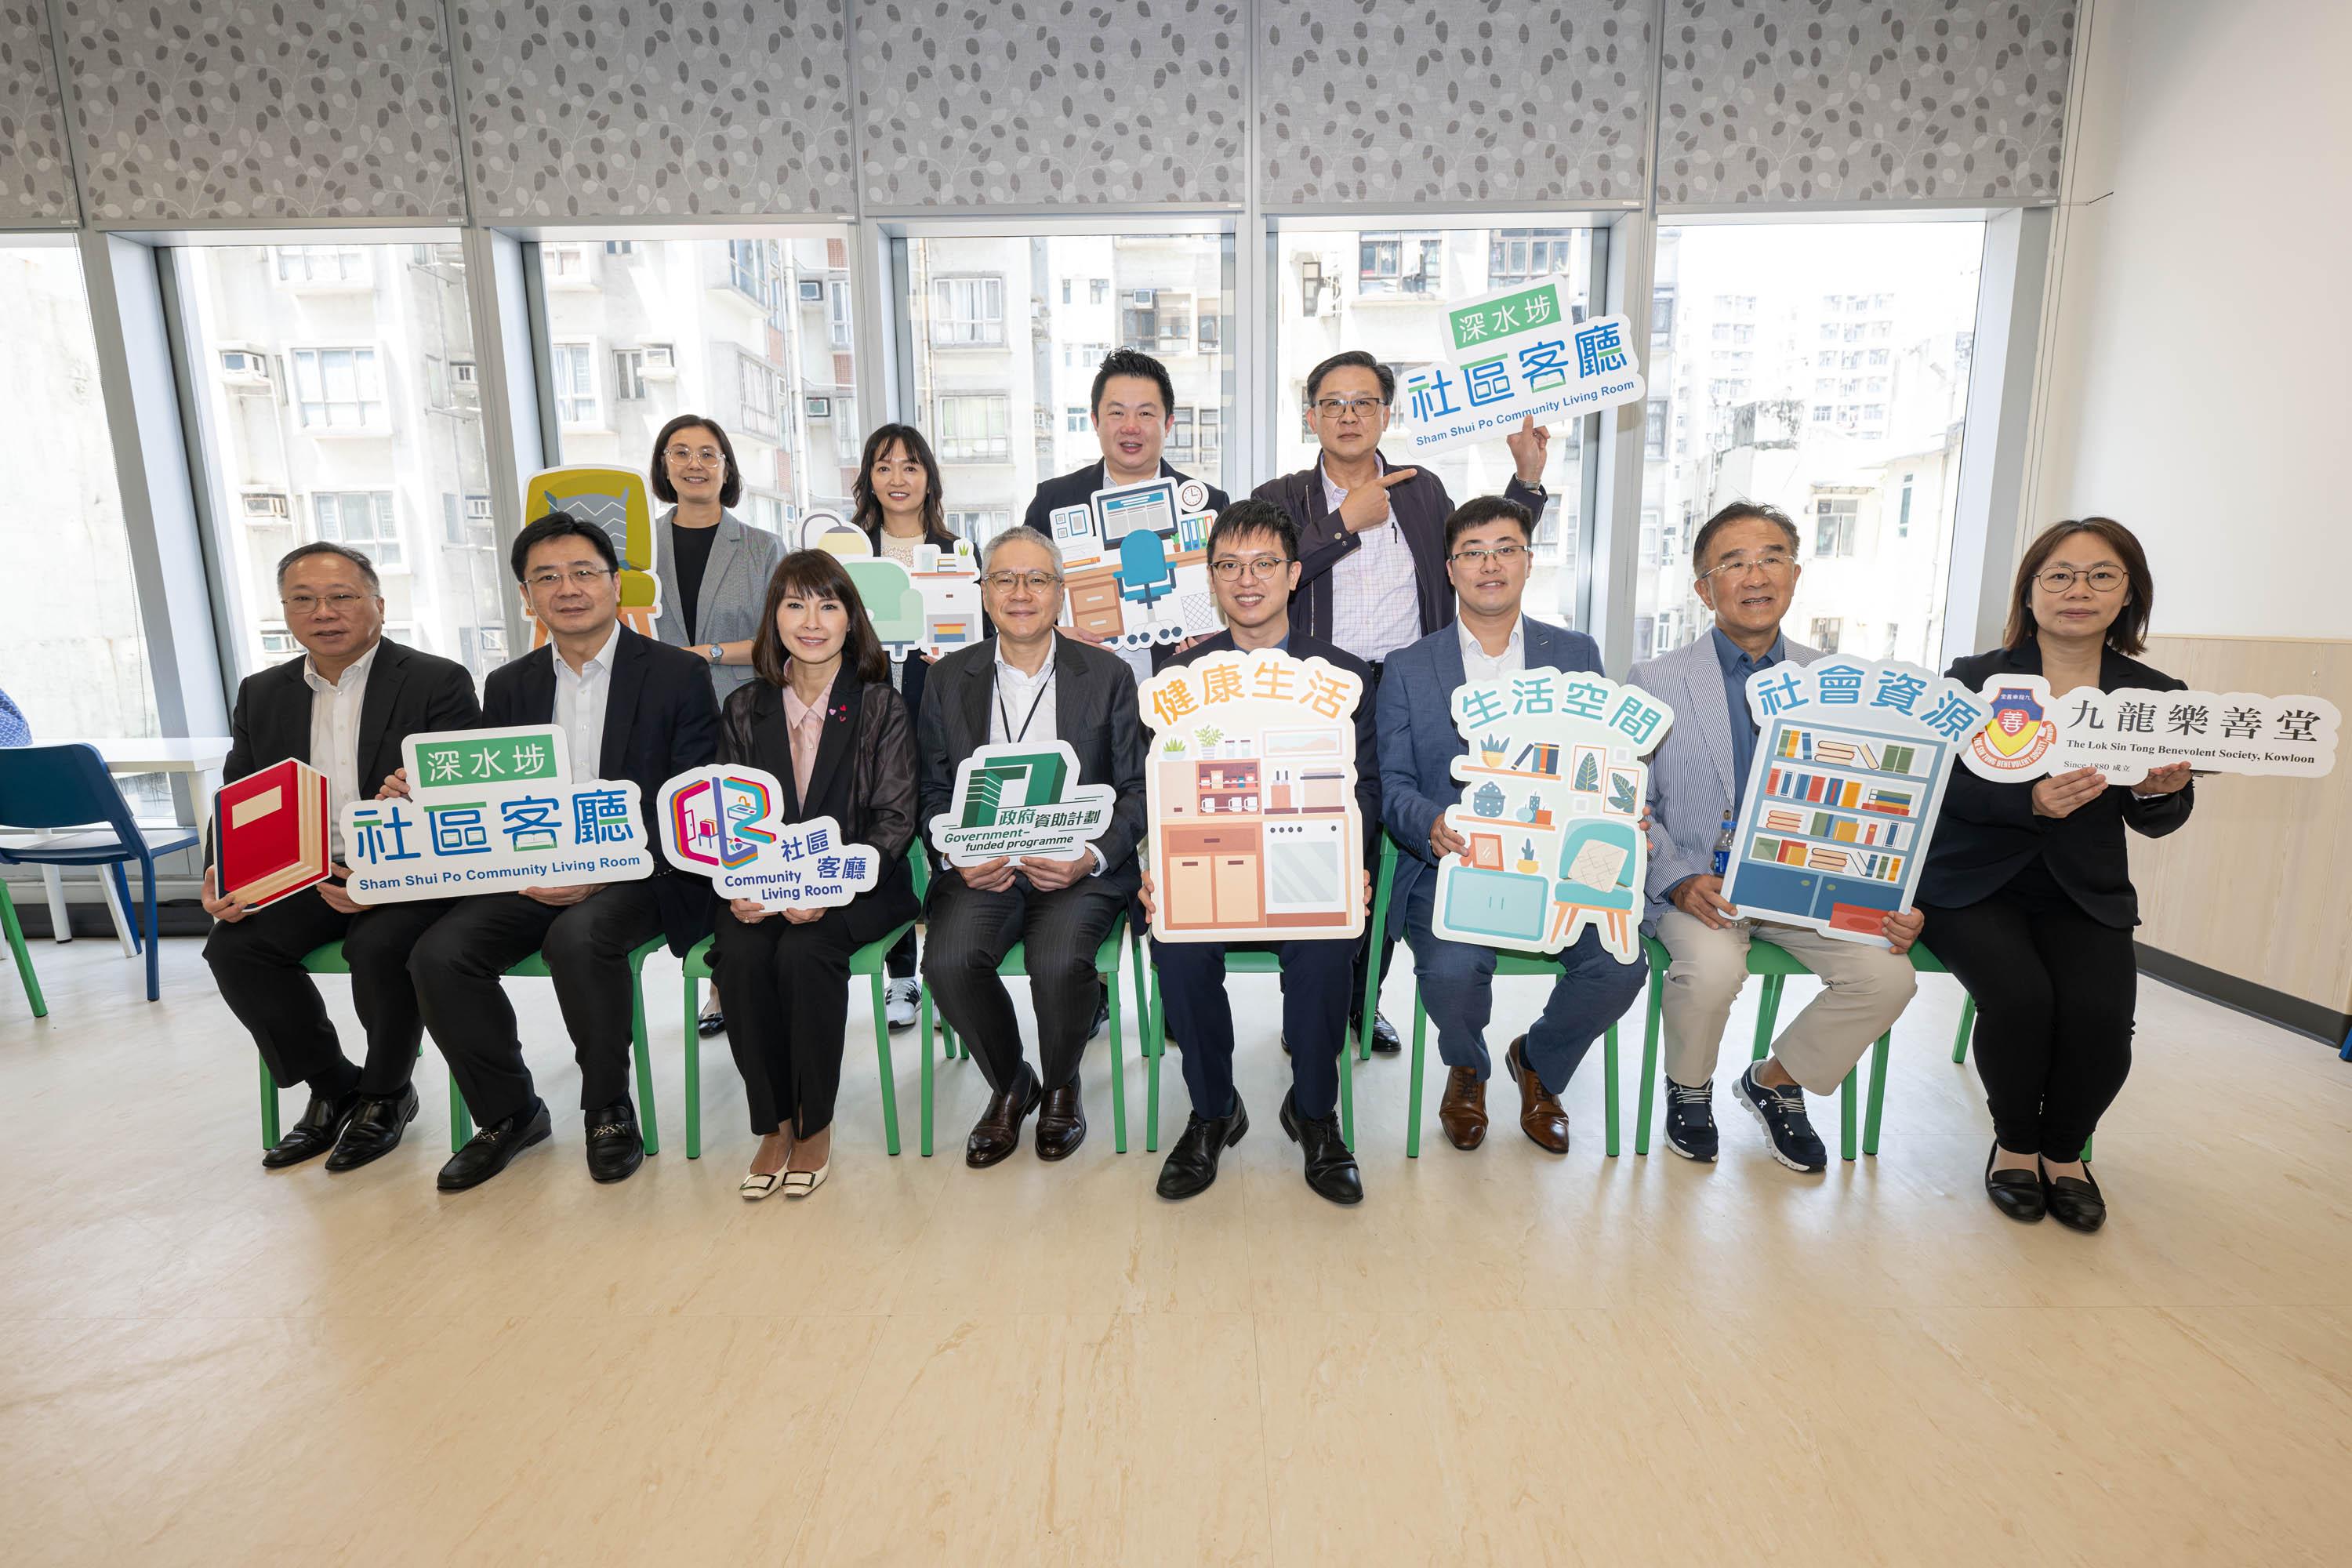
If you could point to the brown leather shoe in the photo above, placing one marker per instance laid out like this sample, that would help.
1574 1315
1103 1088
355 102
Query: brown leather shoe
1540 1116
1462 1111
998 1131
1062 1125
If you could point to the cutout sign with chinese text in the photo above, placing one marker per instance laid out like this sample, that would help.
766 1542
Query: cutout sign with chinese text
1553 786
2124 733
932 607
615 500
1020 798
1135 563
492 811
722 823
1257 834
1851 758
1516 352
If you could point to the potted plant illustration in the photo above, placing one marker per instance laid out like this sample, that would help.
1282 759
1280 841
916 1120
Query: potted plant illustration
1527 863
1491 748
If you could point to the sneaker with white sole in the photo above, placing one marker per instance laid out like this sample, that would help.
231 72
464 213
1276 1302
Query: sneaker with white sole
899 1003
1781 1114
1690 1122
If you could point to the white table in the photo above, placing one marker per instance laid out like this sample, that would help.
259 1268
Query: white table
198 756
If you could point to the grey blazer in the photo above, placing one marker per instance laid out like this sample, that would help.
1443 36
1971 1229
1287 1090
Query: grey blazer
1691 784
734 590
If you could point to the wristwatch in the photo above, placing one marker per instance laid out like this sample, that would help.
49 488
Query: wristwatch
714 653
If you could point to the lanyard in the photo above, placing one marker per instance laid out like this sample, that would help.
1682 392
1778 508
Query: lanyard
1005 719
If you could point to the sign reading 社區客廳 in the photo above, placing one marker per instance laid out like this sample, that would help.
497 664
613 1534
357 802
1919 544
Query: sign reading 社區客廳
1512 354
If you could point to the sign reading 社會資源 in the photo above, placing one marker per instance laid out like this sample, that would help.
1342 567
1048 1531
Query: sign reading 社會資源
1516 353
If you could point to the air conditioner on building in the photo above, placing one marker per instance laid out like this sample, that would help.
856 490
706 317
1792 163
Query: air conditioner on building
812 291
245 366
265 506
1142 298
661 363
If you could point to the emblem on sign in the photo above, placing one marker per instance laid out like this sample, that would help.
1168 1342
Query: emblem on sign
2016 734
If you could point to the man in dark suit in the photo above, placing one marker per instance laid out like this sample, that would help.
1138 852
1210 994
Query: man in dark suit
343 707
1253 567
1486 547
631 708
1371 539
1027 684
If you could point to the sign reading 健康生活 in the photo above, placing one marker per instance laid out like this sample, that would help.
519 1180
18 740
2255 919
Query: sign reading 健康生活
492 811
723 823
1851 758
1020 798
2128 733
1554 781
1516 353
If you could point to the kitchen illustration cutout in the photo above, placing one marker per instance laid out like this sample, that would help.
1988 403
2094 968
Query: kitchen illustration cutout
1555 778
1255 833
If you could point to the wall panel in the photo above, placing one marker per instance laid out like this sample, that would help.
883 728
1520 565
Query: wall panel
36 178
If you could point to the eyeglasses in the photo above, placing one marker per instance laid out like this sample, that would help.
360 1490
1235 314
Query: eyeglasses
2103 579
679 456
583 576
309 603
1036 581
1347 408
1261 568
1774 562
1502 554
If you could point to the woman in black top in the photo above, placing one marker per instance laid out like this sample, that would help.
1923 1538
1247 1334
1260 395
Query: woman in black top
2027 889
821 716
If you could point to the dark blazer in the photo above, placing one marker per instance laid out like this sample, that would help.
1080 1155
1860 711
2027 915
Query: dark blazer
863 779
1368 729
1420 507
1094 710
1419 741
409 692
1988 832
915 669
660 719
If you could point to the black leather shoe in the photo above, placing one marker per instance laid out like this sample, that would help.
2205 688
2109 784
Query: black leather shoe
322 1122
1330 1166
1386 1041
493 1149
1102 1016
1061 1123
710 1024
2076 1205
1191 1165
2017 1194
374 1129
998 1131
615 1148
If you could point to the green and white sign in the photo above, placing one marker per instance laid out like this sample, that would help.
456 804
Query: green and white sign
470 758
1512 354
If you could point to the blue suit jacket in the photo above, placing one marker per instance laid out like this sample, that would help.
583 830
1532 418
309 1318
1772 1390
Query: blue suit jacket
1419 742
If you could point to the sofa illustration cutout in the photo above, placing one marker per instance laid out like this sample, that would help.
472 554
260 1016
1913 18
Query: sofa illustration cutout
931 608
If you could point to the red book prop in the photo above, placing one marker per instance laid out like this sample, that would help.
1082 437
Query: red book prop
269 834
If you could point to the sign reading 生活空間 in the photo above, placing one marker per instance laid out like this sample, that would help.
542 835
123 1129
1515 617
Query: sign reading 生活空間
492 811
1516 353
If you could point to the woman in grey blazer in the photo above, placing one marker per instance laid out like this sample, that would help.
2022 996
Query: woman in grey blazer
714 566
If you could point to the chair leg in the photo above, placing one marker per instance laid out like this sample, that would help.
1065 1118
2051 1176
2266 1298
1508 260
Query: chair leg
1650 1059
923 1022
147 909
461 1123
126 930
1118 1068
648 1123
1348 1093
693 1069
1968 1025
1877 1093
23 955
1767 1013
1412 1093
1608 1087
1155 1046
1845 1112
268 1110
882 1065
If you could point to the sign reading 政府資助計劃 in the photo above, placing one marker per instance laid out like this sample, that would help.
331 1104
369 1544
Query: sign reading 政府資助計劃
1852 758
2128 733
1256 833
1554 781
1020 798
492 811
723 823
1516 353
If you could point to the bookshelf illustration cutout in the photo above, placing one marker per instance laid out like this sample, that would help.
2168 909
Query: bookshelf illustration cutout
725 823
1554 783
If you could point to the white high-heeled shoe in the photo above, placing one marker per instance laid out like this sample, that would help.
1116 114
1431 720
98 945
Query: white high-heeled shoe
757 1185
800 1183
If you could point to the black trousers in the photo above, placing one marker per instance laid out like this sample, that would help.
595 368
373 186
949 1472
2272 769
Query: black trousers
457 966
901 962
786 991
2055 991
1315 1005
258 964
972 932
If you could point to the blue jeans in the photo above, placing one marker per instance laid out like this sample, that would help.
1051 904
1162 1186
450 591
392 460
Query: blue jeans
1457 988
1314 1000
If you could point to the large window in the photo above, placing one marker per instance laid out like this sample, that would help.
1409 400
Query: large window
347 413
1823 369
1386 291
72 656
1005 365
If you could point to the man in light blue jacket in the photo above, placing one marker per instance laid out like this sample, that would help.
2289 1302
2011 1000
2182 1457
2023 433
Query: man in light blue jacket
1487 558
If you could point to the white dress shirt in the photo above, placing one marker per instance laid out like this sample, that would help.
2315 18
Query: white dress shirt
1027 707
580 705
1375 604
335 734
1477 665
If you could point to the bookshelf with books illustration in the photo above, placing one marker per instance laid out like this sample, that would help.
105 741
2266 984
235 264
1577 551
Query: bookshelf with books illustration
1840 817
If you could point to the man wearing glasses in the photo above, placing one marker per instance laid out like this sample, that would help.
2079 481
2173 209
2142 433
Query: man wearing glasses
1025 684
1488 556
630 708
1253 567
343 707
1746 558
1371 539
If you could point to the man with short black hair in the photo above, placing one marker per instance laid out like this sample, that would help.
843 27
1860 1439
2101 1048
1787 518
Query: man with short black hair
630 708
343 707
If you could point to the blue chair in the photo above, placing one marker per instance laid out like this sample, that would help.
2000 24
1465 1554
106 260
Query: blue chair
67 786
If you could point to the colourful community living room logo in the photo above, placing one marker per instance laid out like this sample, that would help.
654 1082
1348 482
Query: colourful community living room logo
711 819
2014 739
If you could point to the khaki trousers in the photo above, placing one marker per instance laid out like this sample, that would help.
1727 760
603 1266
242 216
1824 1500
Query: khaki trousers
1864 989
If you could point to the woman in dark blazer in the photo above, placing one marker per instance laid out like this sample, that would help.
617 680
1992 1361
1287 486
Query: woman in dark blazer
2027 889
820 716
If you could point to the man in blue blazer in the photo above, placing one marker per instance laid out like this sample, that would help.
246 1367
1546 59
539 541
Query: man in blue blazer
1488 555
1746 557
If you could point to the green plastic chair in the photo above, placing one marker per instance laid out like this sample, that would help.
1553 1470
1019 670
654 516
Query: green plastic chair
1509 963
1382 881
329 960
869 960
1155 1043
23 954
1109 958
1959 1039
